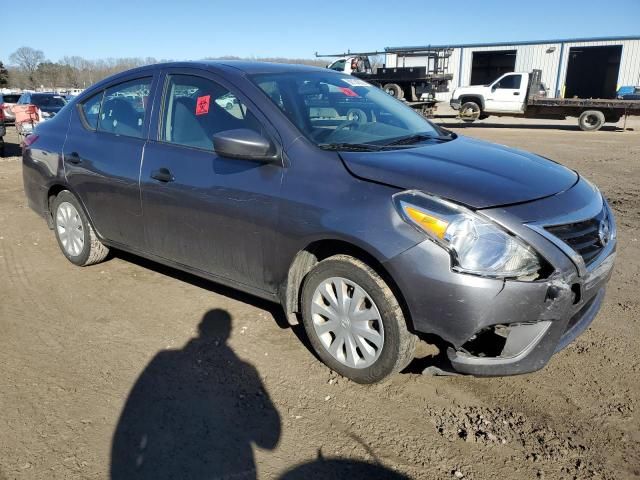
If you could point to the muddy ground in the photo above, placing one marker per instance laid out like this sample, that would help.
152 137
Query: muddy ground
102 367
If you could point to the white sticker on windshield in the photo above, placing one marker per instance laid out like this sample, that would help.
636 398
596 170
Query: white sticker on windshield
355 82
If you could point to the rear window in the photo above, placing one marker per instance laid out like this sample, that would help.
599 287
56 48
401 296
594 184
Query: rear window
48 101
9 98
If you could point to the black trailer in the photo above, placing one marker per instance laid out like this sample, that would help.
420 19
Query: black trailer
417 85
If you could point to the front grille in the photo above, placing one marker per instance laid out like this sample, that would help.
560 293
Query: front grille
582 236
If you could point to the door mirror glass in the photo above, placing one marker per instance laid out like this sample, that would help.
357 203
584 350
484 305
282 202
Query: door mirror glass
244 143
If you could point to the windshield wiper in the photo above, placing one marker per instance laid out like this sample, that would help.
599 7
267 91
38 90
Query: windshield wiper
354 147
418 137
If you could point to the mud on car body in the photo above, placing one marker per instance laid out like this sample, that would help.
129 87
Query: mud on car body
319 191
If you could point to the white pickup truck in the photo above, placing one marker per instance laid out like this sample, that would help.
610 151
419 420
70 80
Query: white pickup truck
523 94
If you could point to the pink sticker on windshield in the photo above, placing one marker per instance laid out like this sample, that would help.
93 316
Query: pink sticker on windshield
348 92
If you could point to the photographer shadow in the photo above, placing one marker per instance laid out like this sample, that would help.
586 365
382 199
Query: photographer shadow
195 413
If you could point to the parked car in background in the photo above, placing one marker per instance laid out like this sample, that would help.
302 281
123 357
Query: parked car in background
3 131
628 93
7 101
48 103
373 228
227 101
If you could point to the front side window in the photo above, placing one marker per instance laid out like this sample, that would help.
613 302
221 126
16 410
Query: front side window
510 81
124 108
91 110
334 110
195 109
338 66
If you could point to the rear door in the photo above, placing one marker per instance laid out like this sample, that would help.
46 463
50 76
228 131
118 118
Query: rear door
102 156
508 94
207 212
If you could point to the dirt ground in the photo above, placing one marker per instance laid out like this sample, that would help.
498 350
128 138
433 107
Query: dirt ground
103 367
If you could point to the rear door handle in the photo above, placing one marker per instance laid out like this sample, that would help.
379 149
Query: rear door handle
74 158
516 93
162 175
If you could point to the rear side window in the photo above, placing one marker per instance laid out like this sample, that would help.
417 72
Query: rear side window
510 81
91 110
124 108
195 109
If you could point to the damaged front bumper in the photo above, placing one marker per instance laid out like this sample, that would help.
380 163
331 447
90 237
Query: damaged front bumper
506 327
511 349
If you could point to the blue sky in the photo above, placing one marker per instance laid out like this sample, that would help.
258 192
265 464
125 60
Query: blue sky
193 29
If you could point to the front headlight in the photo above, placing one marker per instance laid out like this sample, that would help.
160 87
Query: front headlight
476 244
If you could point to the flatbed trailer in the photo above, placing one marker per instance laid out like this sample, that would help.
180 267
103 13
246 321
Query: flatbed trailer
613 109
478 102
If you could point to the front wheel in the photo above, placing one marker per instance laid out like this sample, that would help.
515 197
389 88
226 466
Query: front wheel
470 111
74 233
354 322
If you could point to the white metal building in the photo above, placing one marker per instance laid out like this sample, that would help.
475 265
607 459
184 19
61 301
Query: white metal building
580 67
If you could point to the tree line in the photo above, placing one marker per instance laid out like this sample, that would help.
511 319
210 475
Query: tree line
29 68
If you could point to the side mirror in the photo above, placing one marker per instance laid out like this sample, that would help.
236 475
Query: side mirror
244 144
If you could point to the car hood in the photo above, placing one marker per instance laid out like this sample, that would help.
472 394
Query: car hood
469 89
472 172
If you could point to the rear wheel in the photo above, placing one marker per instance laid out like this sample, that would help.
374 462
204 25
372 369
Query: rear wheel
394 90
74 233
591 120
470 111
354 321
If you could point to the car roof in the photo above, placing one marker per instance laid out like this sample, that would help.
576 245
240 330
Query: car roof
241 67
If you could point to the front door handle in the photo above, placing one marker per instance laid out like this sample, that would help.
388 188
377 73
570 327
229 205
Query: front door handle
162 175
74 158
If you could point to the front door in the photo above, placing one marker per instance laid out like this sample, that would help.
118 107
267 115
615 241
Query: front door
209 213
507 94
102 157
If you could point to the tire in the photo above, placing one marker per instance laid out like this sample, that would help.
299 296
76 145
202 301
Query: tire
84 248
470 112
591 120
396 344
357 115
394 90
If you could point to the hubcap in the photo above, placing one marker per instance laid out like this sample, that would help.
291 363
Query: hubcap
69 227
347 322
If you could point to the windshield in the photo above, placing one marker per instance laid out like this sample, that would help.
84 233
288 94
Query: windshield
334 110
52 101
